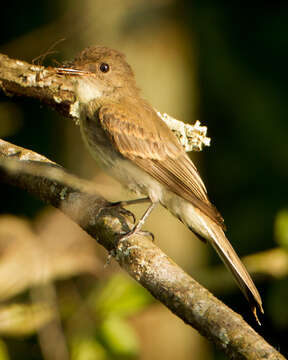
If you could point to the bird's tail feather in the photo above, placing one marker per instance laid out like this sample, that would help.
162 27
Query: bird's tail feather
217 238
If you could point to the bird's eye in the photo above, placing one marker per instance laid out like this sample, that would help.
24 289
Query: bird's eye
104 67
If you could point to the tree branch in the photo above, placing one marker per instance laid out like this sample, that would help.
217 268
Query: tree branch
141 258
19 78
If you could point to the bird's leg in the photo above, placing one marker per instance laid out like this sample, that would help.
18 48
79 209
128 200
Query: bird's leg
131 202
137 228
120 204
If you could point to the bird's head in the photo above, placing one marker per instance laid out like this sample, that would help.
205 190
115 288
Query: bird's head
100 73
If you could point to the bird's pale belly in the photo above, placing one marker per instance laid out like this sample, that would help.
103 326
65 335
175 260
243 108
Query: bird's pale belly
113 163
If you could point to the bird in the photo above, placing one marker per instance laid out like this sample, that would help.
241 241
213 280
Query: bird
129 141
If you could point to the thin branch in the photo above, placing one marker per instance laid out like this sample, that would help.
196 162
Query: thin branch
141 258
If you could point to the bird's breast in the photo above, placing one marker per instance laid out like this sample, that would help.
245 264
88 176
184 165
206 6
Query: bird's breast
112 162
97 141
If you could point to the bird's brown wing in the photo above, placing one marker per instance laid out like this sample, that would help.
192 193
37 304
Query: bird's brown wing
141 136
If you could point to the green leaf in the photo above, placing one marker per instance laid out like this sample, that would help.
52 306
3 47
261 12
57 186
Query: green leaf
277 303
119 337
87 349
281 228
121 296
3 351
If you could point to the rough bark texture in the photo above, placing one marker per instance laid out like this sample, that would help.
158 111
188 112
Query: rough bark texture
18 78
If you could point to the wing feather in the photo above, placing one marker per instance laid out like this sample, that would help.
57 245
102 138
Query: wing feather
141 136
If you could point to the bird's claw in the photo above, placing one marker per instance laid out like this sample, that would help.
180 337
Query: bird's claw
122 210
126 212
147 233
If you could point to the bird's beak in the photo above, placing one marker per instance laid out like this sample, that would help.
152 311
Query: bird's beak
70 71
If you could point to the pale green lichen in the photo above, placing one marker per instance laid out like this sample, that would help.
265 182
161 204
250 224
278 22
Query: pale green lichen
191 137
223 336
75 112
63 193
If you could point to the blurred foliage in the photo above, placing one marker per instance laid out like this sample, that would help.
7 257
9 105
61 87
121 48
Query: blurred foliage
128 298
109 335
281 228
3 351
89 318
119 338
277 303
277 298
22 319
87 349
94 330
111 304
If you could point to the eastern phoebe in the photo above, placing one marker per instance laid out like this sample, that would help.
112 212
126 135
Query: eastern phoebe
130 142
